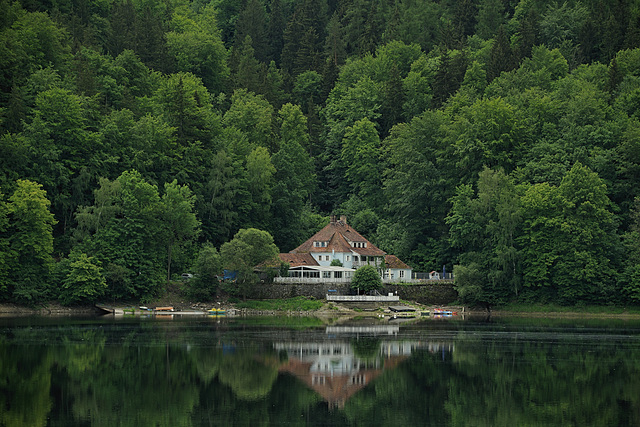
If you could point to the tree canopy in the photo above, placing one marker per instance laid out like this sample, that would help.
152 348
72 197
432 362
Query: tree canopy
497 136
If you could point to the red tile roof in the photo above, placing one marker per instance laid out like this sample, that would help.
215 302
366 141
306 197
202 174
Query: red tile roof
392 261
338 236
295 260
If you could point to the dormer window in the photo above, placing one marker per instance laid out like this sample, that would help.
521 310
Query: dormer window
359 244
320 244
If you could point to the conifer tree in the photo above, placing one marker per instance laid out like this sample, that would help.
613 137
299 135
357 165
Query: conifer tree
252 21
501 56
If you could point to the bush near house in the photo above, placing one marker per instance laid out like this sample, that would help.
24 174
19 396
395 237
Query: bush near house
366 279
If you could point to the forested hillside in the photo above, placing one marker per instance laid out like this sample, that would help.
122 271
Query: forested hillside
500 136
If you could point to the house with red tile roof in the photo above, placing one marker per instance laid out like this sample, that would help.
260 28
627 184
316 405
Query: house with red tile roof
339 241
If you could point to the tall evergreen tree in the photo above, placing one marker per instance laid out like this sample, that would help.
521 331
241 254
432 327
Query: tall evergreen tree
252 22
501 56
303 38
249 74
295 179
275 31
448 77
394 99
122 22
527 35
491 15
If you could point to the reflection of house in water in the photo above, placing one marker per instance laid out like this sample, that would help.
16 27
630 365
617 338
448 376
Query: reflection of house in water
332 368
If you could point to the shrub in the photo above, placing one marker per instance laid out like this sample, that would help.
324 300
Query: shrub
366 279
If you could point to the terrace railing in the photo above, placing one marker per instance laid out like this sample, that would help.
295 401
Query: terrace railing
386 281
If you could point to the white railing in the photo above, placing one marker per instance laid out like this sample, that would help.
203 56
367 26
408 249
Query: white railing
386 281
389 281
310 280
357 264
362 298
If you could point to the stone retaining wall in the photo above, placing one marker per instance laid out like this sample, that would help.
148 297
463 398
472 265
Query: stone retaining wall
431 294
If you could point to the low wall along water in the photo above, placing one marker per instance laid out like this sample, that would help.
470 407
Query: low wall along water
432 293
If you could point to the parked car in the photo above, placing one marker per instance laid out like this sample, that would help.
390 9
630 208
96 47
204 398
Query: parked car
187 276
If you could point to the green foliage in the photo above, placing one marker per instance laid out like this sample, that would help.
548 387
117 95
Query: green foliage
185 104
485 229
283 271
253 115
336 263
196 46
469 281
290 304
248 248
366 278
179 221
207 267
274 114
567 238
28 242
84 281
125 233
361 153
294 177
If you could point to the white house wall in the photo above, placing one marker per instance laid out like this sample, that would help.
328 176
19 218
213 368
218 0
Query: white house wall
324 258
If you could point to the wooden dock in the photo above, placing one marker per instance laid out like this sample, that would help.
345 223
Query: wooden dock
363 298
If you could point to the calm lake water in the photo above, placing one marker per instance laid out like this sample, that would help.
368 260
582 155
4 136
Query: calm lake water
300 371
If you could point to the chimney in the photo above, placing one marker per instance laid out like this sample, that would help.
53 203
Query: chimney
343 219
333 219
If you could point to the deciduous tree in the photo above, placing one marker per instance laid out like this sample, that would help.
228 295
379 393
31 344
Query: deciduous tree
366 278
29 238
179 222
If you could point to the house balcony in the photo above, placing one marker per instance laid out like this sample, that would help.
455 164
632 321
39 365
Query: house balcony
311 280
319 280
357 264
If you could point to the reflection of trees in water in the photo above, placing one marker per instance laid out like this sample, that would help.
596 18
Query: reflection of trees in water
366 348
249 378
82 376
25 383
545 383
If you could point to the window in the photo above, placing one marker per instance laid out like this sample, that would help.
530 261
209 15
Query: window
401 274
337 275
326 274
348 257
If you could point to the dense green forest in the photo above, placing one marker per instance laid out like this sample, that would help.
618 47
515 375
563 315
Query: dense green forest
137 137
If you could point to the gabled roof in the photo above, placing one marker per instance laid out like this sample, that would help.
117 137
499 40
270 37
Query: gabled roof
295 260
321 268
392 261
338 236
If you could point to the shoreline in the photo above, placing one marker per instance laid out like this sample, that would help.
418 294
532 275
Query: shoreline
327 310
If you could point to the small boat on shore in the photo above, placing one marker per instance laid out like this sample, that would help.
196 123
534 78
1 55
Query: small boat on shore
439 312
217 312
158 311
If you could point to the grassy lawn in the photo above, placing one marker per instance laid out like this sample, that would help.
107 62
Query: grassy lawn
290 304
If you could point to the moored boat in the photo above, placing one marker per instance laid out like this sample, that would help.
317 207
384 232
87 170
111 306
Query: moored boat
442 312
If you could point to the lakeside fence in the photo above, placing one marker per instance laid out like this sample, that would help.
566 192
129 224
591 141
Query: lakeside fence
363 298
386 281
